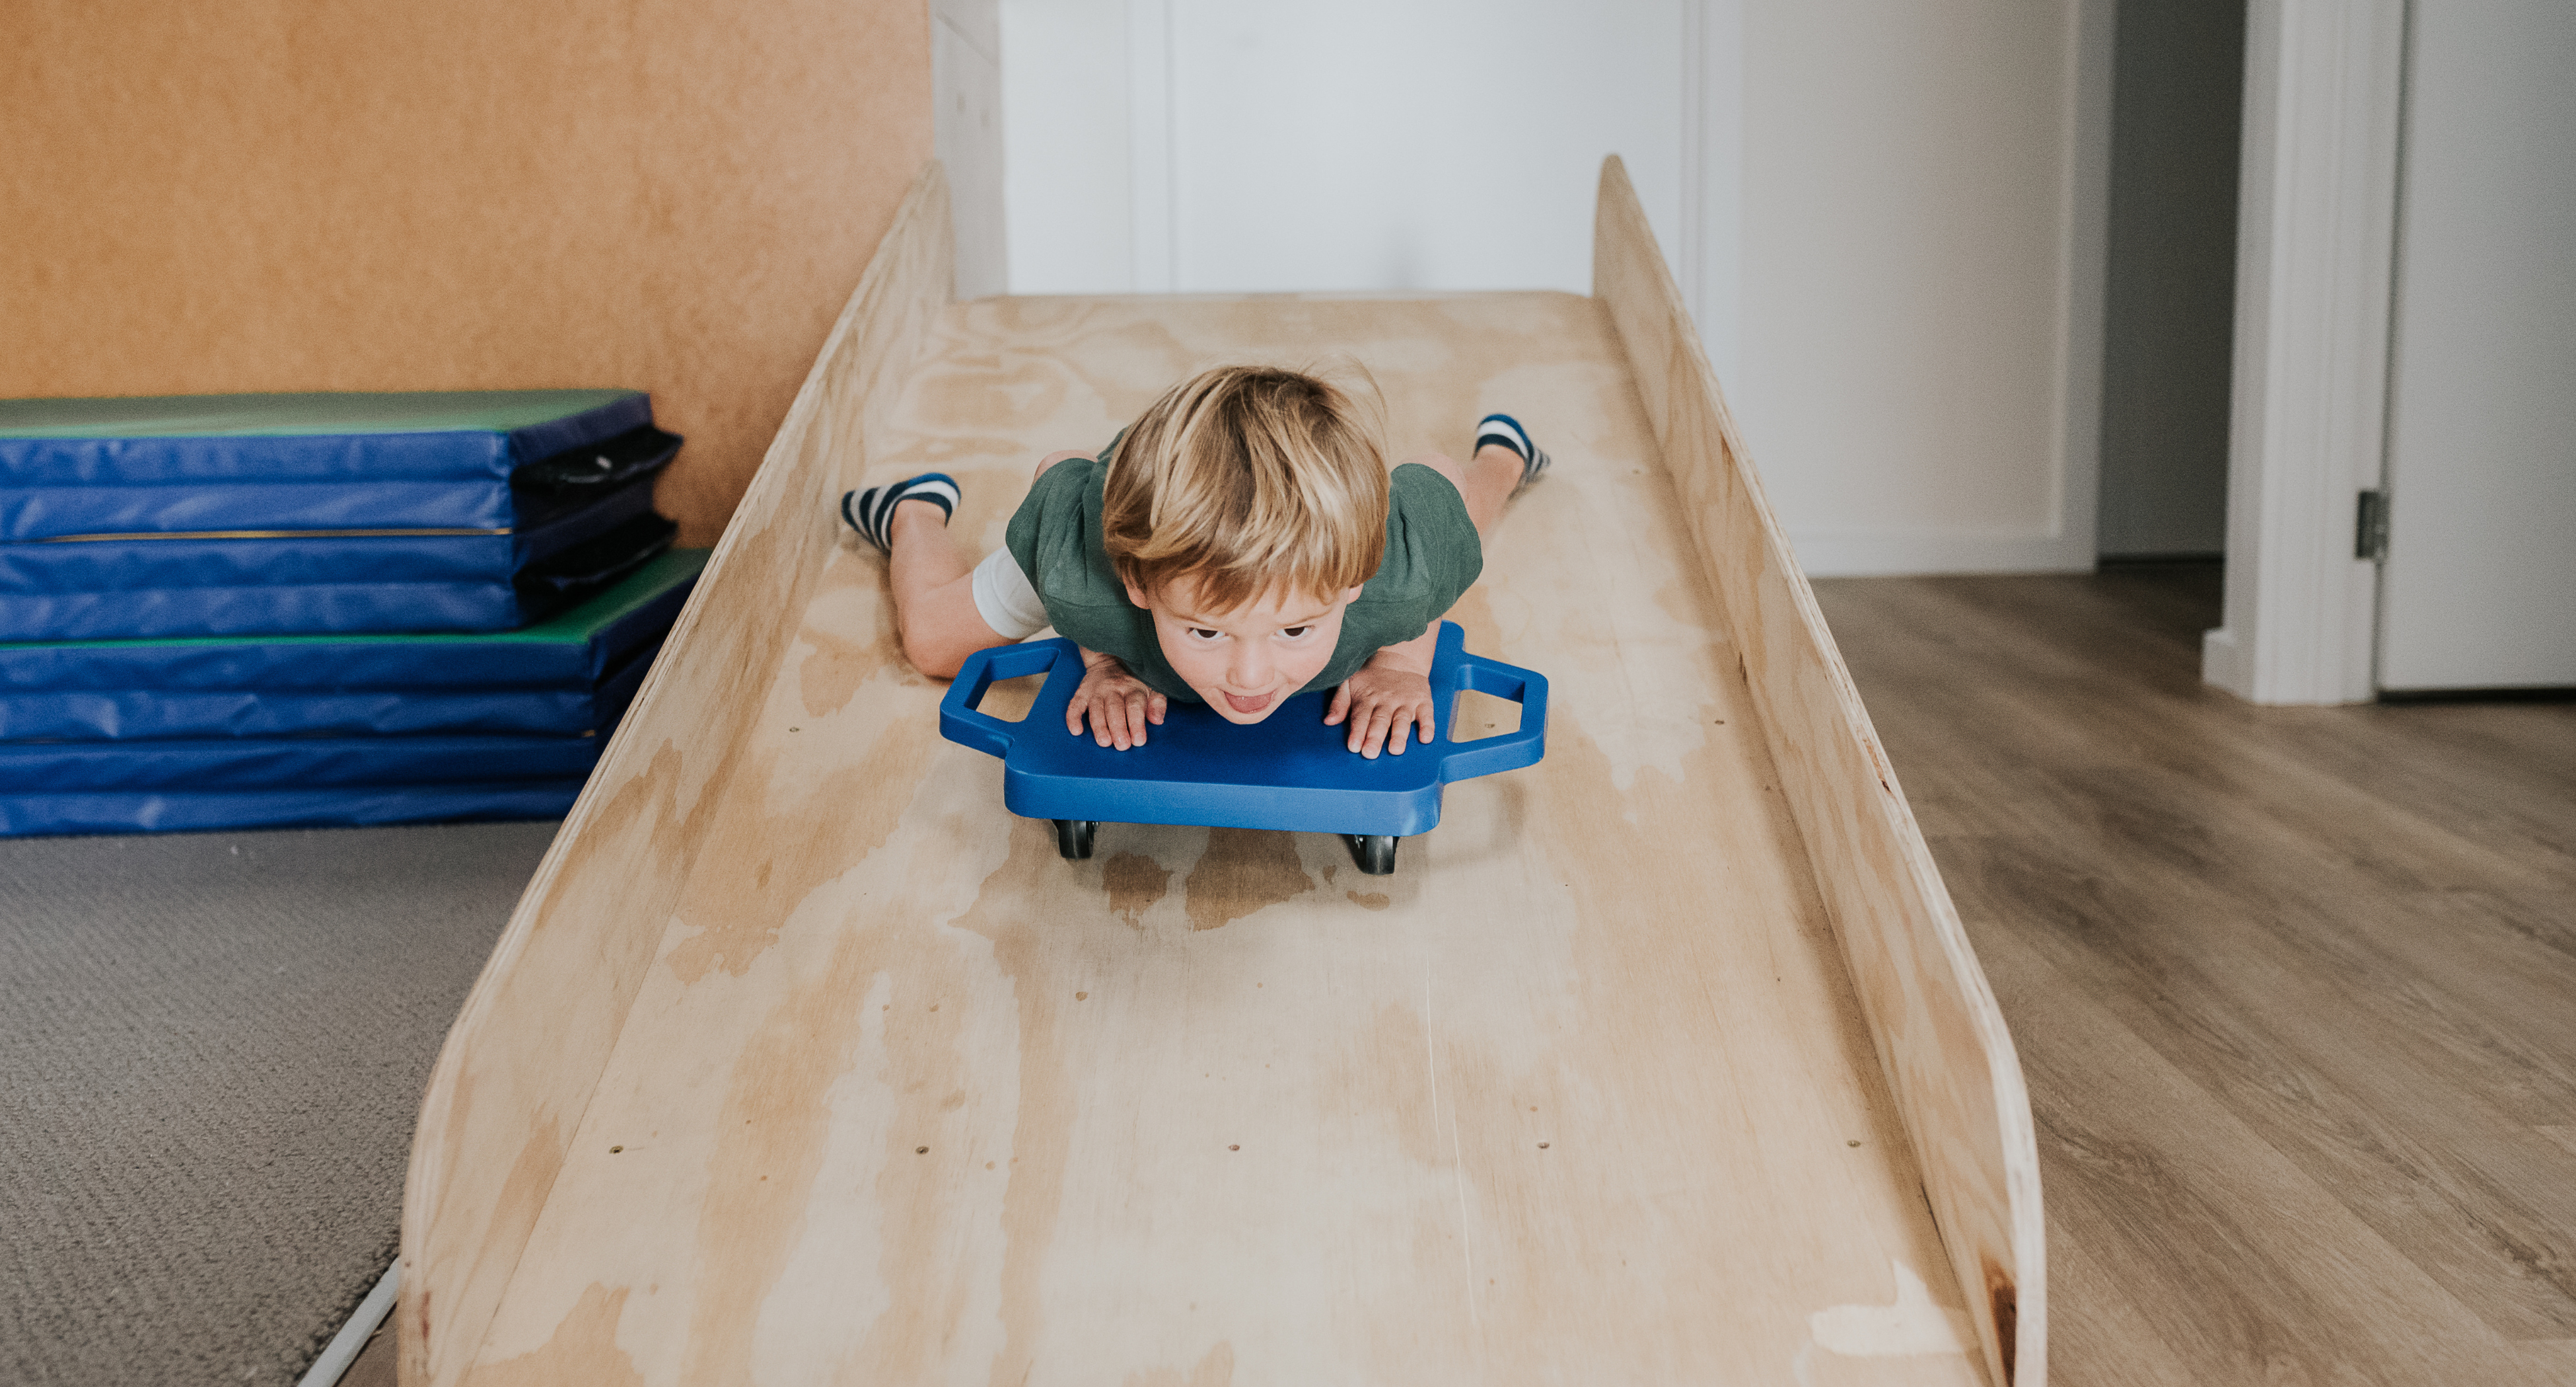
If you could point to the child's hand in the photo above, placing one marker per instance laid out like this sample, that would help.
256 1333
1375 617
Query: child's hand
1118 703
1383 701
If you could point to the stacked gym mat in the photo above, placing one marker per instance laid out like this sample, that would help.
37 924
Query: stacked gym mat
238 611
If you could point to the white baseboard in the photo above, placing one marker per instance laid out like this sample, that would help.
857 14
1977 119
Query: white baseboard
2223 663
345 1346
1912 553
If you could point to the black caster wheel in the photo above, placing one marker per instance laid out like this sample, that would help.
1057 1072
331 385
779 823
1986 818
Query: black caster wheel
1073 838
1374 852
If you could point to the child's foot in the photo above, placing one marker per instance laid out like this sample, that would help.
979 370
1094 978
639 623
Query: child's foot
871 512
1504 431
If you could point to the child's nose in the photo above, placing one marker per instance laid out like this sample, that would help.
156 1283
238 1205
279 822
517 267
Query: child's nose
1251 666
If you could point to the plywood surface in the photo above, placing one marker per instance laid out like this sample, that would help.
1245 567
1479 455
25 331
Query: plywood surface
1582 1093
524 1059
1950 1062
233 195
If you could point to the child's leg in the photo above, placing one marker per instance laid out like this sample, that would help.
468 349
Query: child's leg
937 614
934 593
1486 480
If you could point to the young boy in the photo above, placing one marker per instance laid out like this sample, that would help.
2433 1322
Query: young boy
1243 541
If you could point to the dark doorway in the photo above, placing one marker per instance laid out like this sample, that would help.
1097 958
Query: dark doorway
2178 80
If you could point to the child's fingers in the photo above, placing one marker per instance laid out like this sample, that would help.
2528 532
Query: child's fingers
1372 739
1135 707
1398 726
1154 708
1341 704
1422 718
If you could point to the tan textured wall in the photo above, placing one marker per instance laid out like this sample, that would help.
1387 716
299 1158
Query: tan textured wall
227 195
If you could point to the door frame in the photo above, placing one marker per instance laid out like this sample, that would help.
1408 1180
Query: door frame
2315 290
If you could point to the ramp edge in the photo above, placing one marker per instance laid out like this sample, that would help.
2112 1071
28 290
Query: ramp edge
1940 1037
518 1069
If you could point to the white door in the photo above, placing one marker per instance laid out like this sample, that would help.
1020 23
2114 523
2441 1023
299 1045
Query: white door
2479 588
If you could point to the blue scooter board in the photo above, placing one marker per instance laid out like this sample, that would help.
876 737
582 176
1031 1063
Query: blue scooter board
1288 771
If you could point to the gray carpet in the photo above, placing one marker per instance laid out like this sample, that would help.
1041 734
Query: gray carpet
212 1048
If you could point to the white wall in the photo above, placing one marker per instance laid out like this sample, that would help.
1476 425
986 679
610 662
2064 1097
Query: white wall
966 136
1064 130
1335 144
1888 217
1923 186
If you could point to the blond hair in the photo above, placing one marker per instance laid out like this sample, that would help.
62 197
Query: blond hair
1247 479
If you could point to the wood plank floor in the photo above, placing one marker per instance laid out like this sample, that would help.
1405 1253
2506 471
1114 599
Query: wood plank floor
2295 988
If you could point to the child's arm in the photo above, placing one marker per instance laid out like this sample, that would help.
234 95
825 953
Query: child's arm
1390 695
1119 703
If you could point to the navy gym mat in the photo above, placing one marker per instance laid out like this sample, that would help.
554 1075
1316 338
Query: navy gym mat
300 763
183 811
571 674
266 514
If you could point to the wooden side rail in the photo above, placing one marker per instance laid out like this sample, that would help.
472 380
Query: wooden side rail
1933 1019
553 998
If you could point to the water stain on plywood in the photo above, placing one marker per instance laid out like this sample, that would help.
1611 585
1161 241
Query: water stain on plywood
802 840
1019 394
1134 883
522 1200
650 797
1243 871
1041 1145
1216 1369
776 1120
583 1349
837 663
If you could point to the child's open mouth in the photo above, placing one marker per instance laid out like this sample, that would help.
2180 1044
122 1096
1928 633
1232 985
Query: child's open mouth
1253 704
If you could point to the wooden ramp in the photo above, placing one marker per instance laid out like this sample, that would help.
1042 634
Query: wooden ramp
1663 1061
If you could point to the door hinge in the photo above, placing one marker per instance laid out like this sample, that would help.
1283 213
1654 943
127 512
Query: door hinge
2370 528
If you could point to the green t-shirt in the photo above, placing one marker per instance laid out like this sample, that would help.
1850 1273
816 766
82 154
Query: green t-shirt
1432 555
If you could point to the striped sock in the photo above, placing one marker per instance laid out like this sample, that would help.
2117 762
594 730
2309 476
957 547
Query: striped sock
871 512
1507 431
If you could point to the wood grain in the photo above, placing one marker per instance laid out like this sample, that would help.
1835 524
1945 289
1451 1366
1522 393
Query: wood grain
240 195
2293 985
524 1061
1582 1092
1944 1045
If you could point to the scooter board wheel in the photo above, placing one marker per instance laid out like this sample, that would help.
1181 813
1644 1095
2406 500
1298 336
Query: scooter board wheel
1374 852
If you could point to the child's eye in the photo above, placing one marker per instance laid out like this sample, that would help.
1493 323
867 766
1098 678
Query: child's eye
1293 632
1204 634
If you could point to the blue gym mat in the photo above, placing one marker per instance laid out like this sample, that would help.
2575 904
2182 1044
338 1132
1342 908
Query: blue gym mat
278 514
566 676
184 811
299 763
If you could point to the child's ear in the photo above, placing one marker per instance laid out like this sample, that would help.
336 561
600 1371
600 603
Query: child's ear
1350 595
1135 594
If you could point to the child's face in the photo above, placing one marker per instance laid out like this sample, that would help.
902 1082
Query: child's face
1245 662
